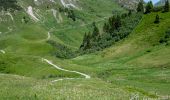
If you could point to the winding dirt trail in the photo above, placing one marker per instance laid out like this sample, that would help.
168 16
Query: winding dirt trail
59 68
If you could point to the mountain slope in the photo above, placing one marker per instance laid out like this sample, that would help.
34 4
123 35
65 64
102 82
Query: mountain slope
139 63
160 3
136 67
55 17
24 33
128 4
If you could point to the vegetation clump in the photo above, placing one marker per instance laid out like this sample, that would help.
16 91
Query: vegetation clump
114 30
9 4
157 19
149 7
166 38
166 7
61 51
140 7
70 13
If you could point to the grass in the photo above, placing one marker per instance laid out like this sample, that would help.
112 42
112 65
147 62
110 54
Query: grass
137 65
74 89
32 67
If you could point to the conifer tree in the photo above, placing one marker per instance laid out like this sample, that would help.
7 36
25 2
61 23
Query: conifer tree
166 7
117 22
140 7
149 7
130 13
9 4
96 32
112 24
88 42
84 41
106 28
157 19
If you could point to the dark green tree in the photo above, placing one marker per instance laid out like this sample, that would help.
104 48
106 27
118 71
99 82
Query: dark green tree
130 13
157 19
25 19
71 15
117 22
106 28
88 45
140 7
166 7
84 40
149 7
96 32
9 4
112 24
115 30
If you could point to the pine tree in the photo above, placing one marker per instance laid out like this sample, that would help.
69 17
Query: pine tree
157 19
166 7
117 22
106 28
140 7
84 41
149 7
96 32
88 42
130 13
112 24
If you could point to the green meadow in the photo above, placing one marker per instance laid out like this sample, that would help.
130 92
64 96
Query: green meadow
136 67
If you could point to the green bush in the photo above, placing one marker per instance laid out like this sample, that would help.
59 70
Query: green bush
166 38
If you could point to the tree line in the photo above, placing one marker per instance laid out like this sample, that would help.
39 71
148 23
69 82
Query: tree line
9 5
150 7
114 29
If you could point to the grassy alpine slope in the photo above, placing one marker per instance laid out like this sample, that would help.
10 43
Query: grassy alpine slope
27 40
137 66
139 63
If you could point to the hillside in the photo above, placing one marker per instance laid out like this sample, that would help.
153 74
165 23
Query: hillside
36 39
139 63
128 4
160 3
56 17
24 33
